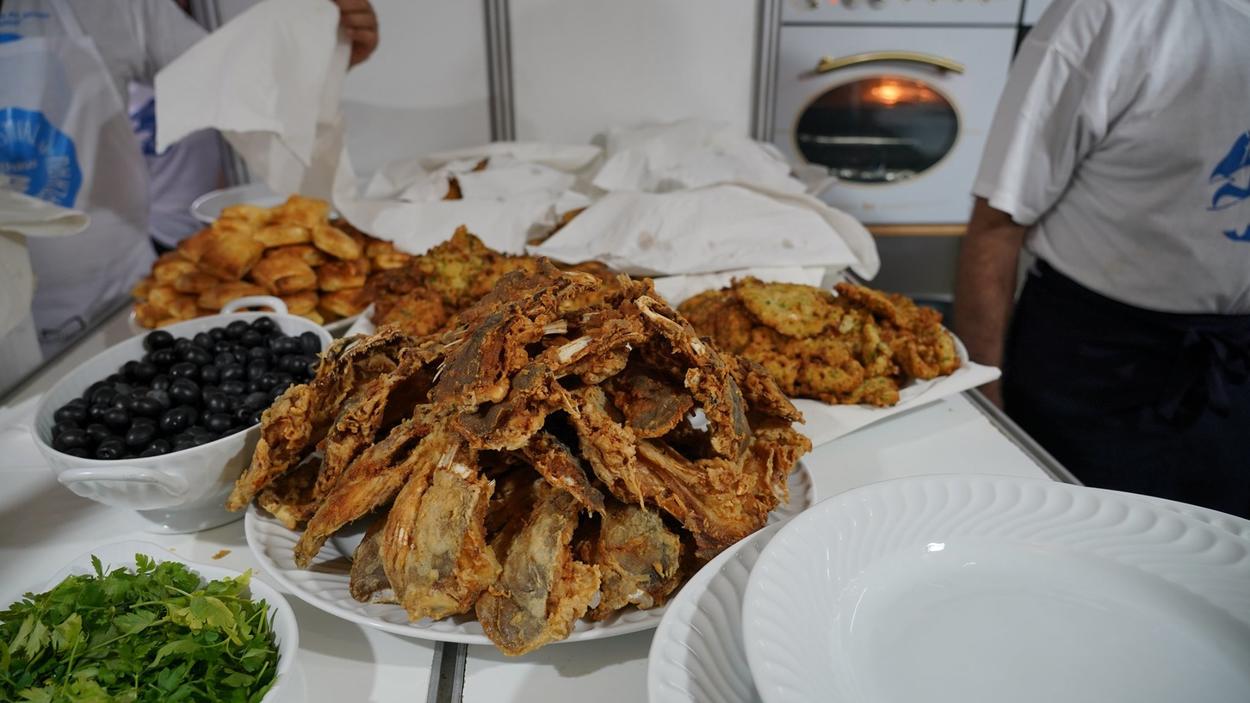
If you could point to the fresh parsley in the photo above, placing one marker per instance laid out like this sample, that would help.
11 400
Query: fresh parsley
148 634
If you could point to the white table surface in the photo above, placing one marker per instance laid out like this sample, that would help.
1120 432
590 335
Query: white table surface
43 526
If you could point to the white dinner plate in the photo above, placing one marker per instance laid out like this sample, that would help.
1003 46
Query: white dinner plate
697 654
983 588
324 584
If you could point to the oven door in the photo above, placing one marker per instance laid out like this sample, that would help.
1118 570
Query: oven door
897 114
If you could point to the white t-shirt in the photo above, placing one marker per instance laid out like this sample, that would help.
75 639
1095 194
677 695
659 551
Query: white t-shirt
1123 140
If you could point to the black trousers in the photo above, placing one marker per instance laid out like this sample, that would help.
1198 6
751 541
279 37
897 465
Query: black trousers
1131 399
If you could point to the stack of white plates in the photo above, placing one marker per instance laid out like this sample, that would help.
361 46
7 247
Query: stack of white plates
968 589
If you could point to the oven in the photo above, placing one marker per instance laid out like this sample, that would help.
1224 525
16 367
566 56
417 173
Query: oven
894 99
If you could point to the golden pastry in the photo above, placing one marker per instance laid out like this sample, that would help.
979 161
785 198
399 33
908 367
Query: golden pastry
217 296
345 302
230 252
307 253
336 243
140 291
253 215
301 303
298 210
167 270
192 248
282 235
195 282
284 274
338 275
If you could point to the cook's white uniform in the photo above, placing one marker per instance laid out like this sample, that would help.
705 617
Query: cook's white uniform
1123 140
65 137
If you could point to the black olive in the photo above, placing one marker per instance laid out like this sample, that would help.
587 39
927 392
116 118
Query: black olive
196 355
181 345
243 415
310 342
116 418
210 373
156 448
184 369
83 452
202 433
184 391
269 380
277 391
224 359
121 401
203 341
256 401
259 353
160 382
265 325
128 368
216 403
161 397
79 403
70 413
103 396
59 427
71 439
160 339
223 347
146 407
233 372
219 422
136 421
235 329
256 369
143 372
98 432
113 378
182 443
163 357
175 420
111 448
217 333
140 435
96 413
285 345
256 385
193 414
232 387
251 338
255 418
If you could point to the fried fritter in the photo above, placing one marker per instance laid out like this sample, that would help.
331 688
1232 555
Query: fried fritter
860 347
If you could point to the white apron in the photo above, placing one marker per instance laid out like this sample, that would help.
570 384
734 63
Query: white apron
65 138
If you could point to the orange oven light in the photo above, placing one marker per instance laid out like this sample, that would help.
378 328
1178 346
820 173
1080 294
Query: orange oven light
887 92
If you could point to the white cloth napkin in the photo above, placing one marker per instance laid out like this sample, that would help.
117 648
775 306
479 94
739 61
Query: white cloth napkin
22 216
713 228
270 80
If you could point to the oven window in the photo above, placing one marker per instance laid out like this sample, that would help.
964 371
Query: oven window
883 129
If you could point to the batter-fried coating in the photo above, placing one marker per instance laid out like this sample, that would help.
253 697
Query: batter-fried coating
639 559
858 348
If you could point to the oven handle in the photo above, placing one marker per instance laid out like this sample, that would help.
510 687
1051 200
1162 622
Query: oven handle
828 64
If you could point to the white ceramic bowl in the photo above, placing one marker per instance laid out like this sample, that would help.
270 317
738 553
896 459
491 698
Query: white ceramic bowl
285 630
182 491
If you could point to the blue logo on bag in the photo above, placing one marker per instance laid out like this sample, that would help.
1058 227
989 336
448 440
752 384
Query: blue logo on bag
36 158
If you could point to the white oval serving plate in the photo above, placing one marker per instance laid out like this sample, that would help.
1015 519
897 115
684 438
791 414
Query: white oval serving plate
324 584
983 588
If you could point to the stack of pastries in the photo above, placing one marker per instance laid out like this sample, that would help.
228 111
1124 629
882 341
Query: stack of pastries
318 267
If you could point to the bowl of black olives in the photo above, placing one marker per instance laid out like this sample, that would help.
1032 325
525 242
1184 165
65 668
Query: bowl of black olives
165 422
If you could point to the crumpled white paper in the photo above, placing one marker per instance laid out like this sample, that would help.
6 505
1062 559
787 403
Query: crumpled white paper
688 154
825 423
713 228
22 216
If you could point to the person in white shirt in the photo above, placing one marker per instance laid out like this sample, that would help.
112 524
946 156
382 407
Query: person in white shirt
65 136
1119 158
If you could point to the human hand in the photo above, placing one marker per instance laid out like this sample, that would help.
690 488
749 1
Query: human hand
358 20
993 392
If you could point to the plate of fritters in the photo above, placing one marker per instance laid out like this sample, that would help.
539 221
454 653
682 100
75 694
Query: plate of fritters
860 346
319 267
550 467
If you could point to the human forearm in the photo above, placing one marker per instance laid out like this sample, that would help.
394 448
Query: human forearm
986 282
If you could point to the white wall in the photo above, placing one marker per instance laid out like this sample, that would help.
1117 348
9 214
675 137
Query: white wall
423 90
580 67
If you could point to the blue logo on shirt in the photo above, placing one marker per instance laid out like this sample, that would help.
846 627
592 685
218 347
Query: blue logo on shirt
36 158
